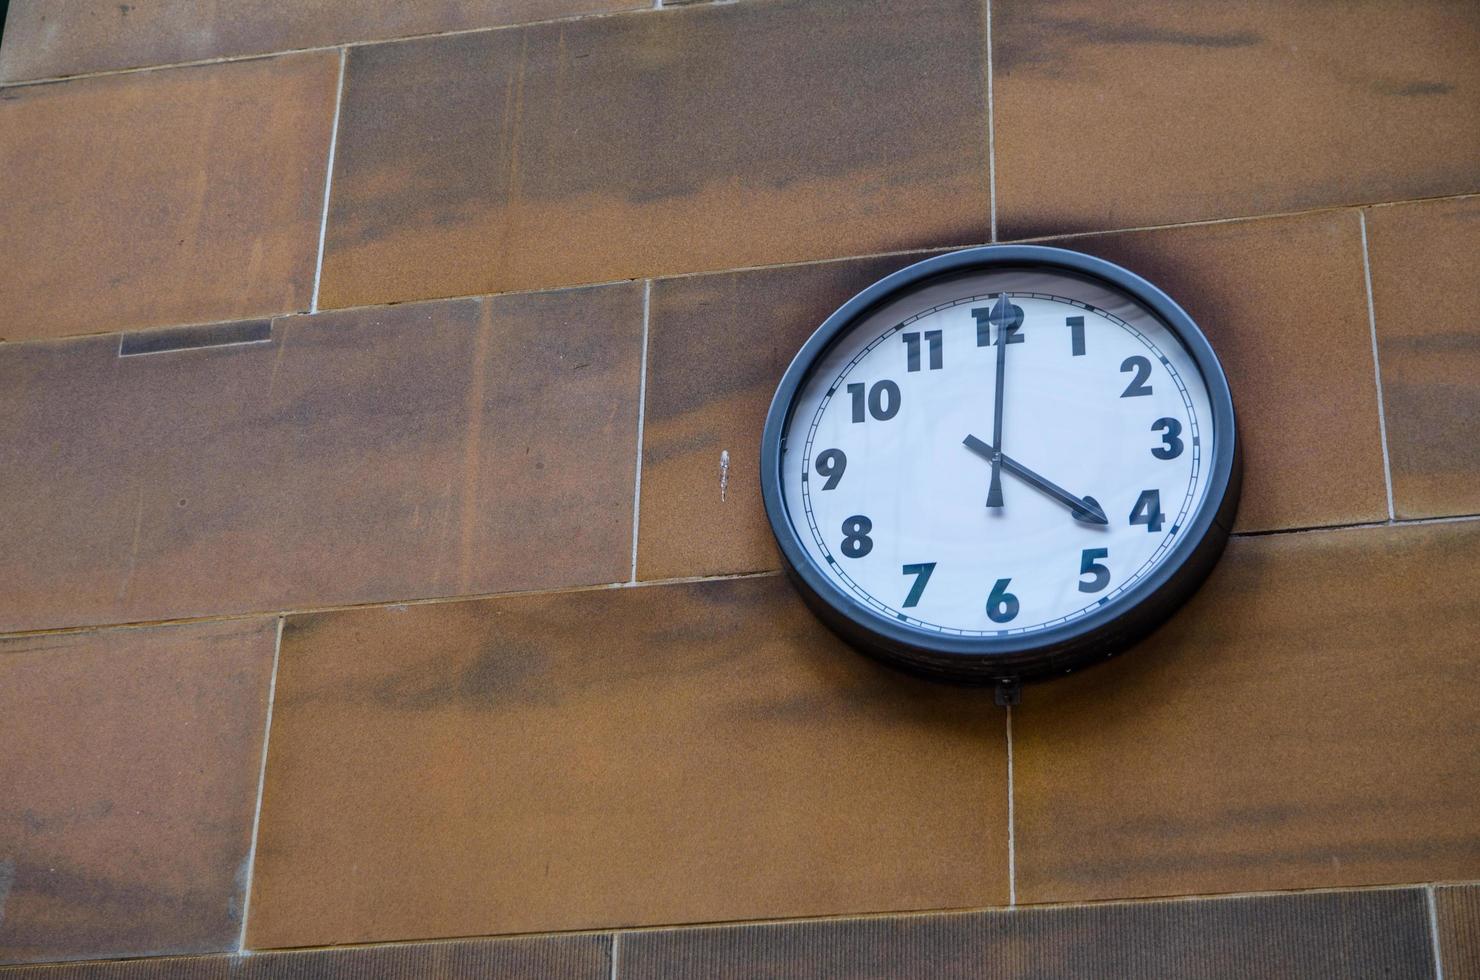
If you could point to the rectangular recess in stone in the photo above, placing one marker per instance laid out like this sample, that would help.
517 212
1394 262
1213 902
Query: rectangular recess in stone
1283 301
1357 935
1165 111
711 137
191 338
46 40
164 197
1425 292
468 446
1309 719
612 757
129 773
1457 915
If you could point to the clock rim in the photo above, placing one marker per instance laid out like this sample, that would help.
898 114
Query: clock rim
1058 649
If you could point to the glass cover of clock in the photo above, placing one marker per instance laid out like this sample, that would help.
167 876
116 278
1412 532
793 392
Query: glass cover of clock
937 496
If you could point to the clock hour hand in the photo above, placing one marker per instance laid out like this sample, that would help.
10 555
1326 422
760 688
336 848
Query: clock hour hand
1085 509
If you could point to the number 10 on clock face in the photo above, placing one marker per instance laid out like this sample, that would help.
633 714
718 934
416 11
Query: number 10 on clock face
997 454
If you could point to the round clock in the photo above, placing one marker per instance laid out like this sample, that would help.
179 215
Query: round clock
1001 464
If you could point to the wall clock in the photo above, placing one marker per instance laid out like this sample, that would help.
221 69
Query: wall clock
1001 464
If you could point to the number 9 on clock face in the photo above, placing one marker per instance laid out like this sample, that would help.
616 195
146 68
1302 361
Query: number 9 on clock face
1002 463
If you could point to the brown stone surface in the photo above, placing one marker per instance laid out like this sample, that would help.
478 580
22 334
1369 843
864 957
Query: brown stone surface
1302 378
163 197
711 137
1424 293
164 968
45 39
1160 111
614 757
1457 916
1374 934
542 958
446 448
532 958
1310 719
129 774
717 347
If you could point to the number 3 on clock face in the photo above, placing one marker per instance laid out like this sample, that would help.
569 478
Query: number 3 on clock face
1001 463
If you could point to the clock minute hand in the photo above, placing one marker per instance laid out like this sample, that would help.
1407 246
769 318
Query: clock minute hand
1085 509
999 316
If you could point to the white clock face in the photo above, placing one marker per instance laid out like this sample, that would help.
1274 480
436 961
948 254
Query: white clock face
1099 435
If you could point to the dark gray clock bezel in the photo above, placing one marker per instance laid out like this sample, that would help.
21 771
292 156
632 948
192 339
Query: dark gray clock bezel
1059 649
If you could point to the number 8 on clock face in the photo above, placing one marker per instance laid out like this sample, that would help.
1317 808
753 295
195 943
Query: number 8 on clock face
1001 463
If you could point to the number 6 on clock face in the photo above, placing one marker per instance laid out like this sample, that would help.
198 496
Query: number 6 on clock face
1001 463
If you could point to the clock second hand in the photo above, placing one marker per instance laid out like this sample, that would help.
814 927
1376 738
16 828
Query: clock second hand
1085 509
